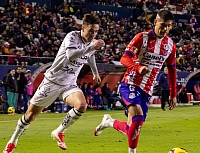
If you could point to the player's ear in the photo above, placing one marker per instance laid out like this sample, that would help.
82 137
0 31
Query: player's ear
83 27
155 21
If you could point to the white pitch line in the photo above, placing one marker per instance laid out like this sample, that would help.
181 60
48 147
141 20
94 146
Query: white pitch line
58 118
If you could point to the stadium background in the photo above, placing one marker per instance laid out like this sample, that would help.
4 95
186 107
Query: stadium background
112 71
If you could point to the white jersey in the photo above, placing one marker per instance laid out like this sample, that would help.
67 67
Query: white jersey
72 55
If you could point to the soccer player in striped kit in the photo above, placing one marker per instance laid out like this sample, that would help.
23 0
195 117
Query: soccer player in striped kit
77 48
144 57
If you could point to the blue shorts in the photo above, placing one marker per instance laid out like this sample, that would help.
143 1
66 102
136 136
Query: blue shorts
132 95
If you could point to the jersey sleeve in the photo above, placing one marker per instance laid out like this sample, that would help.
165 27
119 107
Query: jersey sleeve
130 56
73 48
92 63
171 64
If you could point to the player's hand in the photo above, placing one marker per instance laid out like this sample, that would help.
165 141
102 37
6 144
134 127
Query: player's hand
98 44
97 79
143 70
172 102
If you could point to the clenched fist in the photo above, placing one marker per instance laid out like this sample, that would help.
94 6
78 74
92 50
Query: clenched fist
98 44
144 70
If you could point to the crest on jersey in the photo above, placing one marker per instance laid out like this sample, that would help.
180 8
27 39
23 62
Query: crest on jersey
166 48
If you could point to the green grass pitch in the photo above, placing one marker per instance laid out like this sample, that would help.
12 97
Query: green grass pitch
162 131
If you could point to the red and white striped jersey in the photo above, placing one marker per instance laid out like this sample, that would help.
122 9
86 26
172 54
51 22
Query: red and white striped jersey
145 49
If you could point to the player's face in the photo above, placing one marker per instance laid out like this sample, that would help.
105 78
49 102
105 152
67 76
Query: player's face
90 31
162 27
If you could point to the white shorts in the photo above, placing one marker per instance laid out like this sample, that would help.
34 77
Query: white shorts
48 92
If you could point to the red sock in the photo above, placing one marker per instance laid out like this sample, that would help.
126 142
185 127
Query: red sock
134 131
121 126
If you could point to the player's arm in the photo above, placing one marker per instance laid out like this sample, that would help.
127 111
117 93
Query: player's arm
73 50
93 66
171 64
130 56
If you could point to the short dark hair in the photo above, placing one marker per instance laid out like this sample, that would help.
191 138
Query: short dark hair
166 15
91 19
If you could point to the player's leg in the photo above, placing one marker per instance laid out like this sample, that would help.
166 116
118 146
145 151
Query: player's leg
76 99
135 121
44 96
22 125
163 100
137 115
107 121
132 98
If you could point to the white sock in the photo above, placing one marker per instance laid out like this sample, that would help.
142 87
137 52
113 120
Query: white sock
70 118
110 122
130 150
22 125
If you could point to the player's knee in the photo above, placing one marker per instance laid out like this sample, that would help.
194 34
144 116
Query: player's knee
81 106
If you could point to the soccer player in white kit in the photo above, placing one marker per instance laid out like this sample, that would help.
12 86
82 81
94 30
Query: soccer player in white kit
77 48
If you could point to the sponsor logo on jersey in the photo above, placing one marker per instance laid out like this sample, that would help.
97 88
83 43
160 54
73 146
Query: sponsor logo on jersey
75 63
151 63
68 70
153 57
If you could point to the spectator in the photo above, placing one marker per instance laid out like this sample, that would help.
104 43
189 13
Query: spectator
84 89
197 91
183 95
3 105
96 97
106 93
12 88
90 93
22 82
193 21
180 61
29 89
164 85
198 60
6 50
4 84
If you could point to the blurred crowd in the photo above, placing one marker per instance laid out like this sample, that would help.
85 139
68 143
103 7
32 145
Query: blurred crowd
31 30
99 97
184 6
